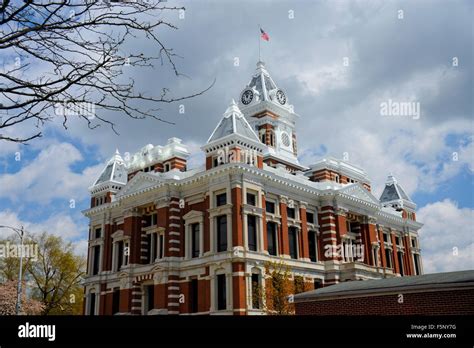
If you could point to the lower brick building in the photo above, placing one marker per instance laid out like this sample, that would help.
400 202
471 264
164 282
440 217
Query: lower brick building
450 293
168 239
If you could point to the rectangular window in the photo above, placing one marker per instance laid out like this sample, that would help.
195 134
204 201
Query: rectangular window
417 264
400 263
221 292
153 247
119 255
270 207
272 238
146 221
96 260
126 252
116 301
313 246
162 247
150 298
92 303
221 233
293 242
290 212
195 240
397 240
98 232
251 199
317 283
194 296
255 291
149 256
252 232
221 199
388 257
413 243
385 238
310 218
154 219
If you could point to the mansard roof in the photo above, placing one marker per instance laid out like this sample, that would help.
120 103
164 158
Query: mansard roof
114 171
233 122
393 191
265 92
262 82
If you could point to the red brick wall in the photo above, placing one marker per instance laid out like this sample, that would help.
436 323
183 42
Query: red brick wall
448 302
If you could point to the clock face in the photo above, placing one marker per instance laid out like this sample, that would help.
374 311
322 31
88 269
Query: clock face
285 139
247 97
281 97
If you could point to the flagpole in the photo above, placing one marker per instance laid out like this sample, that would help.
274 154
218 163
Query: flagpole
259 43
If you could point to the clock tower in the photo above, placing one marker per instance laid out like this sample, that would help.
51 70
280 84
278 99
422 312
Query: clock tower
266 108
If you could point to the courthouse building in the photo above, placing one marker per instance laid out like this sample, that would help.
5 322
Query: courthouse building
168 239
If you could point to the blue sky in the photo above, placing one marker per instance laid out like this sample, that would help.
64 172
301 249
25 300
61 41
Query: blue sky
407 59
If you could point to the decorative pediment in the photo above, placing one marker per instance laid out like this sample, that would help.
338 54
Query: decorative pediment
140 182
117 234
193 214
356 190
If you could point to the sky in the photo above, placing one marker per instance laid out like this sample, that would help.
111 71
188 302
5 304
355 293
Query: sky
337 62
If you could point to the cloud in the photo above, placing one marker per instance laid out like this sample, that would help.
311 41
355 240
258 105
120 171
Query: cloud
61 225
447 237
49 176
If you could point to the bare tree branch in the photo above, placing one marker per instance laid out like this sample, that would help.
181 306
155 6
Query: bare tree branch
66 58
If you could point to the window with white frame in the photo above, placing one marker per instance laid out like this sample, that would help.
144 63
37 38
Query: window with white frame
252 232
272 239
293 241
91 305
148 302
120 250
195 240
313 245
221 231
256 291
270 207
152 247
221 292
388 258
95 250
194 224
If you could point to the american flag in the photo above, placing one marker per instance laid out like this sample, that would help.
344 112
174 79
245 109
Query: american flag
264 35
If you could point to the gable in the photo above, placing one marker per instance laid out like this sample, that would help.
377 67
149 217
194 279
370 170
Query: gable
141 181
358 191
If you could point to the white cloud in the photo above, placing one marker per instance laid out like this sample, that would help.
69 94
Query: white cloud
61 225
447 229
49 176
416 152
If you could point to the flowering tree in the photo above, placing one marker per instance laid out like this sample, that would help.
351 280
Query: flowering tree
8 298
